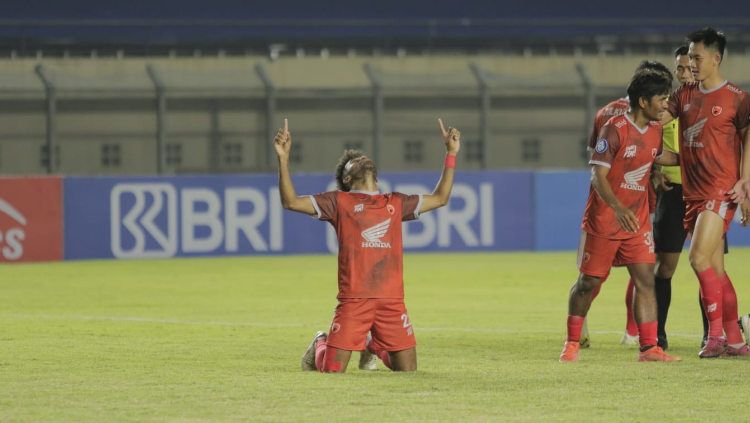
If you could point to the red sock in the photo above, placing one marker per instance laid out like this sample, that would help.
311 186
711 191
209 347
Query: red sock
729 317
647 333
382 355
575 323
320 352
630 326
712 300
385 358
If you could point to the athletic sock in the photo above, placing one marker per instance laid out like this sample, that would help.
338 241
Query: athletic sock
712 300
647 334
732 330
320 352
575 323
631 327
663 299
703 315
383 355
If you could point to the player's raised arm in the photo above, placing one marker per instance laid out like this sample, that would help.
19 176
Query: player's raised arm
282 143
625 217
442 192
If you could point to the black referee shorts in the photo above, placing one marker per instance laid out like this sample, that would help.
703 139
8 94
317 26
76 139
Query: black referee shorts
669 232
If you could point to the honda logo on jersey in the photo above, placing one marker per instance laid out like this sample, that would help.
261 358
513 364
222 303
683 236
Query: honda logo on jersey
629 152
633 178
373 235
693 132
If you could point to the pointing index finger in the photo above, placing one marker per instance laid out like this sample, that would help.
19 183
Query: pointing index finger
286 125
442 127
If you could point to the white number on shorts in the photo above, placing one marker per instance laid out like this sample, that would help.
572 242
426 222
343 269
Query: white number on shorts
649 241
407 324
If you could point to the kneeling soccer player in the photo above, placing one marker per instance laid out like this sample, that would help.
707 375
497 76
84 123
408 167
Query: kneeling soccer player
616 225
370 258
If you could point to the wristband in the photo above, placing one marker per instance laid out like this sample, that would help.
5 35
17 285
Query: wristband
450 161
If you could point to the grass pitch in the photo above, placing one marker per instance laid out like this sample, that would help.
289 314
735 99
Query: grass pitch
220 340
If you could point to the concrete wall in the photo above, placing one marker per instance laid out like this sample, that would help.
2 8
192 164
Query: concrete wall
216 110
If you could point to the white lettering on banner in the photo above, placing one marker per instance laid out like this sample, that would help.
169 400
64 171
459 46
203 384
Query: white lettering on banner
12 237
192 219
478 202
198 208
248 223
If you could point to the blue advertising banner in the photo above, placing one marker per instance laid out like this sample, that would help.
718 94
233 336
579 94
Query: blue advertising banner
559 201
187 216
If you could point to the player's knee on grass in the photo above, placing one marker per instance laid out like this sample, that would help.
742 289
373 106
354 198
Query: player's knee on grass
335 360
404 361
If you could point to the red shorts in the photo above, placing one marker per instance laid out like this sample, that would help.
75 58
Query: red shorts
385 318
597 255
725 209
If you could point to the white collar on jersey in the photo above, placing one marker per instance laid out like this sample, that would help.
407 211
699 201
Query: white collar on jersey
358 191
641 130
705 91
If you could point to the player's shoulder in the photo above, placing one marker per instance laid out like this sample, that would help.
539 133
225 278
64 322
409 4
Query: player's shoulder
734 89
617 122
657 125
686 88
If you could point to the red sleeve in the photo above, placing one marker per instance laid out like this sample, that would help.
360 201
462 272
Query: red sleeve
673 106
409 206
606 146
325 205
595 130
742 118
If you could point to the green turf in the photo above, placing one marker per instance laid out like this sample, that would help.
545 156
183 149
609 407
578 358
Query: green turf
220 340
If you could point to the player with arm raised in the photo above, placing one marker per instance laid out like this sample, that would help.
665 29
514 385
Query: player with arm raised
713 117
616 224
370 258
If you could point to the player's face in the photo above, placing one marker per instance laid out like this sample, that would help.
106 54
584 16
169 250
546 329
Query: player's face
656 107
682 69
703 61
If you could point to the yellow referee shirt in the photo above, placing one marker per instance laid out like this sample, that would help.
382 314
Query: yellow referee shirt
671 143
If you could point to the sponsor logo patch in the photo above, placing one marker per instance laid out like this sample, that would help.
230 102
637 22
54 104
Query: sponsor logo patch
633 178
373 235
601 145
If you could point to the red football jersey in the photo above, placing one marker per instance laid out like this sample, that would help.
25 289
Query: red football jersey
711 123
368 227
629 152
614 108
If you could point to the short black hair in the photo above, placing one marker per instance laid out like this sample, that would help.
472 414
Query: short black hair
653 65
348 155
710 38
681 51
647 83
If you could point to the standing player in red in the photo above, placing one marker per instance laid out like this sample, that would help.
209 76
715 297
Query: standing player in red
619 107
370 260
713 115
616 223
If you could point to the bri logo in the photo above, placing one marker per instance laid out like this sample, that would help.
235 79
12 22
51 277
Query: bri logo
633 178
374 234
